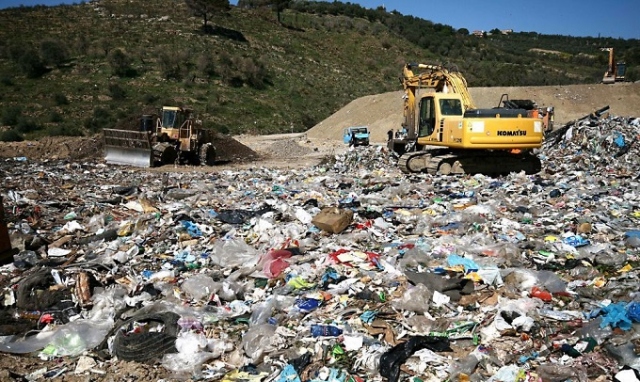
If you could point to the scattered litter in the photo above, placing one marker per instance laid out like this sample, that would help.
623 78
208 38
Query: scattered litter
347 271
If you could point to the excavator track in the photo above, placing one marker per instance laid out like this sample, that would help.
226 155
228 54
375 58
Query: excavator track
441 162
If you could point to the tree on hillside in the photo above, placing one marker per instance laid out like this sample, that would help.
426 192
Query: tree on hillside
206 9
279 6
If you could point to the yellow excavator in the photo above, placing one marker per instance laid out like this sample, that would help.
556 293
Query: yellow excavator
444 133
174 135
615 70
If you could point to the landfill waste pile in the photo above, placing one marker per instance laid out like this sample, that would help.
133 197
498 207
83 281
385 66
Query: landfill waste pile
347 271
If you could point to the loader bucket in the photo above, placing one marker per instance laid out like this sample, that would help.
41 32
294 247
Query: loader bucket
128 147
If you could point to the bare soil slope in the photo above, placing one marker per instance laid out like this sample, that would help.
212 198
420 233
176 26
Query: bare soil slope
382 112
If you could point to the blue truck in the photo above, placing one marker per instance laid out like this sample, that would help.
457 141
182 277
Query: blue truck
356 136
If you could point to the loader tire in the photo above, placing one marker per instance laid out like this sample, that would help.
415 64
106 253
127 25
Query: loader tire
207 155
164 153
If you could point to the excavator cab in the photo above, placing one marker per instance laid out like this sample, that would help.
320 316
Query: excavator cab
435 110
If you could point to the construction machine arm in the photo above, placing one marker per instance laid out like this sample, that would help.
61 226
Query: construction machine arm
434 77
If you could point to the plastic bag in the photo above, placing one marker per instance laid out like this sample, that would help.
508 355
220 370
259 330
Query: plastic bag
198 287
415 299
257 341
262 312
274 262
71 339
231 253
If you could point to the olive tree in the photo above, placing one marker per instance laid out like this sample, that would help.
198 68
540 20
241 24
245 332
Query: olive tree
206 9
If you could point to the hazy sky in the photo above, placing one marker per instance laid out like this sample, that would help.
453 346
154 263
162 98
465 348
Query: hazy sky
618 18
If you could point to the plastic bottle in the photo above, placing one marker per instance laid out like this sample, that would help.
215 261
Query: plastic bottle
466 366
325 331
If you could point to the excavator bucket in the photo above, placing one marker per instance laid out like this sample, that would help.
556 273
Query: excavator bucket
128 147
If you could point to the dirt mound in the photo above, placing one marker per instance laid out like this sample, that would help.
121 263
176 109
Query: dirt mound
76 148
287 148
229 149
73 148
383 112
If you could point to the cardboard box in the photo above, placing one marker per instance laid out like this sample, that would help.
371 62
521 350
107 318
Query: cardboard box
333 219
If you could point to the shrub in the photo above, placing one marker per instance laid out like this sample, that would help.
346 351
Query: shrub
171 65
55 117
120 63
27 125
101 118
117 92
60 99
31 64
150 99
11 136
11 115
254 72
53 52
6 80
206 66
65 131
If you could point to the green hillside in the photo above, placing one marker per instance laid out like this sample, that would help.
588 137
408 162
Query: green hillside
72 70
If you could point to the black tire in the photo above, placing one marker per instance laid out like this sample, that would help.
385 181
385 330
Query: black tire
164 153
207 155
147 347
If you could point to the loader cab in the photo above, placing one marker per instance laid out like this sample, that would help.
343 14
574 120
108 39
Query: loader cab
171 124
172 117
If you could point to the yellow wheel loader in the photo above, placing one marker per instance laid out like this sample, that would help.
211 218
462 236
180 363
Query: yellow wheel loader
172 136
444 133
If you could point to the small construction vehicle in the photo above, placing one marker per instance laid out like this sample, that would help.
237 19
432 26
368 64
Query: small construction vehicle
545 113
447 134
615 70
356 136
172 136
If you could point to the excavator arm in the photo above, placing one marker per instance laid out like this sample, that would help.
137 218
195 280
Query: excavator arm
434 77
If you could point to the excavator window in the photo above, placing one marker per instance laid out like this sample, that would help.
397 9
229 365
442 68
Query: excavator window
450 107
427 117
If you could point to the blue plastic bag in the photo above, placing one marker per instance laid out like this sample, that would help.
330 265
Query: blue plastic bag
619 140
576 241
616 316
633 311
191 228
288 374
307 305
469 265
